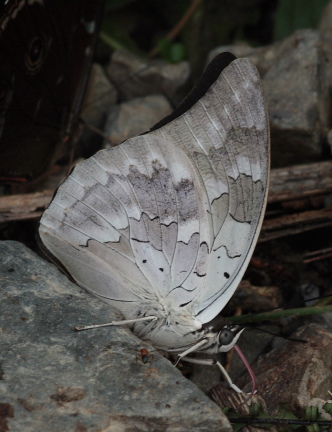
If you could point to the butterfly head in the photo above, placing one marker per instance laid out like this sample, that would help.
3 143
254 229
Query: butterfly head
222 341
228 337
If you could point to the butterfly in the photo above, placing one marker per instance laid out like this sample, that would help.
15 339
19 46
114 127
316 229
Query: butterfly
163 226
46 50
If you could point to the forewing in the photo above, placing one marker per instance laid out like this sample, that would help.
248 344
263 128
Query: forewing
226 136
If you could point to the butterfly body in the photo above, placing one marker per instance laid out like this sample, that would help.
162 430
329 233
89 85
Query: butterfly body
164 225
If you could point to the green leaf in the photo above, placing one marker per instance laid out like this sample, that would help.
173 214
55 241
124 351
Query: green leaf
164 46
177 52
311 413
172 52
327 407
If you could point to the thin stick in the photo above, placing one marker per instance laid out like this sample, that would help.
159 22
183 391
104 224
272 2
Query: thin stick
178 27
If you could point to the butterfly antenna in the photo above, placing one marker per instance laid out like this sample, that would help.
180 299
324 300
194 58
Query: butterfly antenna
277 335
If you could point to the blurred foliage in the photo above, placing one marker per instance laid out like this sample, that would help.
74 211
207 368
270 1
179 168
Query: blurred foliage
144 25
297 14
173 52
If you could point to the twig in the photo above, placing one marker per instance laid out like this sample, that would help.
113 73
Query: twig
178 27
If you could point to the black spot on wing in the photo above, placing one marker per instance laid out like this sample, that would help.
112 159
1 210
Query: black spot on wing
185 304
200 275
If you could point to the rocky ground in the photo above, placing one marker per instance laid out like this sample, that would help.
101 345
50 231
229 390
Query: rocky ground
53 378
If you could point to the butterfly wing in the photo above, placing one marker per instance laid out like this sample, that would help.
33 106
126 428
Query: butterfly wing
165 223
120 223
46 51
226 136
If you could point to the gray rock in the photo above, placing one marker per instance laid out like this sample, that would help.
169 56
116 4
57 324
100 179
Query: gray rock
290 71
134 76
240 50
329 139
134 117
325 69
292 93
53 378
101 95
296 372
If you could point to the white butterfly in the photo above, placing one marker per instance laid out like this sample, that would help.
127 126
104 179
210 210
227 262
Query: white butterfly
163 226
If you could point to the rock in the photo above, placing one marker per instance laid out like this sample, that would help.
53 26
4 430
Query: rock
293 379
325 68
290 72
329 139
296 372
53 378
134 117
240 49
292 93
134 76
101 95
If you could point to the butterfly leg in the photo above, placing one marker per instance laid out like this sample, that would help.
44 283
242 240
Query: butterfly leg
191 349
211 362
117 323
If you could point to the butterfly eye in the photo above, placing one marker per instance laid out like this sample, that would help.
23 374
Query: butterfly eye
226 336
36 54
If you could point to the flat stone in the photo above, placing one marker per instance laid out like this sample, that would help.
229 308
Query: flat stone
53 378
134 117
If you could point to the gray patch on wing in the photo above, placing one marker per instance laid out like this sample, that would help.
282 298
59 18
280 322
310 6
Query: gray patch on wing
242 206
146 230
123 247
244 151
169 239
155 192
164 193
193 280
125 232
187 200
184 259
219 210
